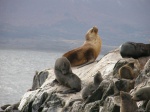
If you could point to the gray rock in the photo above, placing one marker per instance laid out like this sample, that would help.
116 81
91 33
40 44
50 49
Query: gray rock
5 106
111 104
48 99
92 107
39 79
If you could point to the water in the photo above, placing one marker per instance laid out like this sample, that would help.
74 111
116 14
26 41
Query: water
17 69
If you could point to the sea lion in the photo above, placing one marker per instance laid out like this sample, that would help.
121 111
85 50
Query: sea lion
124 84
88 52
142 94
134 50
105 89
128 72
127 104
90 88
65 76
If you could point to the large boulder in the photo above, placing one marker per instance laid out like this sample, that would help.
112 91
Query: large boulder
45 97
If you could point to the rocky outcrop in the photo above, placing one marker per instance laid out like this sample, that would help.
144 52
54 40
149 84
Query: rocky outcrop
45 96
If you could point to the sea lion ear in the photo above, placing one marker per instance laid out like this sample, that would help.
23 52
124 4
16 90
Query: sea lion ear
95 29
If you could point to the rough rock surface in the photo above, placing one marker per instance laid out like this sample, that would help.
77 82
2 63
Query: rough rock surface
44 96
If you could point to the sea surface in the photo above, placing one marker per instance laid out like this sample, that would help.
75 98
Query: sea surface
17 69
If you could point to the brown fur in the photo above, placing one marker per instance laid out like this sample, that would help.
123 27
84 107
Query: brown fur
127 72
88 52
127 104
124 84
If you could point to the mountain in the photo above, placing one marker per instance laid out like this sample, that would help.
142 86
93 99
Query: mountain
61 25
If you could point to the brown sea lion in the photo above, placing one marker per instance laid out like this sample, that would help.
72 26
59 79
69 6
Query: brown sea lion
127 104
142 94
65 77
128 72
124 84
91 87
134 50
88 52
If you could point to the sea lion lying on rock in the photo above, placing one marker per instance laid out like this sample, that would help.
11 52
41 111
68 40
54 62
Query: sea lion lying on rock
88 52
65 77
142 94
134 50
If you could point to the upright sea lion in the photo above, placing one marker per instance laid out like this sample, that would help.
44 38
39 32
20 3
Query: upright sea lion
127 104
142 94
105 89
65 76
128 72
134 50
88 52
90 88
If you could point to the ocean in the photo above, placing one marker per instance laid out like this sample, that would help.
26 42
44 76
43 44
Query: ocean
17 69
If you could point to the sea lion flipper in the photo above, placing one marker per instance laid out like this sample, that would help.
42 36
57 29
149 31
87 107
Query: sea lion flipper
54 82
91 61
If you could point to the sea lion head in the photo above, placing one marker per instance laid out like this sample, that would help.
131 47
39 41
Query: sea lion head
142 94
98 78
63 65
92 34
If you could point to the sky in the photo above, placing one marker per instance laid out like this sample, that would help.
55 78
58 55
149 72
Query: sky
60 25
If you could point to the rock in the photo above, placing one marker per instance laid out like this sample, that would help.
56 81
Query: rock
105 89
92 107
5 106
146 69
39 79
111 104
10 108
46 97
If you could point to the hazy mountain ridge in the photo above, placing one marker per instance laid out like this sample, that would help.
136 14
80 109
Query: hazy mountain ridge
42 25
